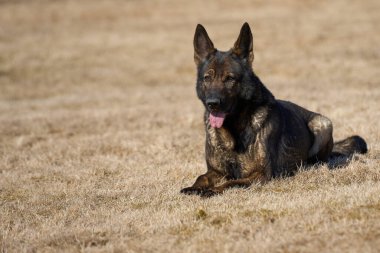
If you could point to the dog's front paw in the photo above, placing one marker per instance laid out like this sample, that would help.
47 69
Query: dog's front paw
207 193
192 191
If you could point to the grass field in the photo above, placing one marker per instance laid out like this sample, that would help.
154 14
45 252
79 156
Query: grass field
100 126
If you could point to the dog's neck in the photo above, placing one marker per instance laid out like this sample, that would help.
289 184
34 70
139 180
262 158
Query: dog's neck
252 112
260 98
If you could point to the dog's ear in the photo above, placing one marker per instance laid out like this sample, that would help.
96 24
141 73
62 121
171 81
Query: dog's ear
203 46
244 44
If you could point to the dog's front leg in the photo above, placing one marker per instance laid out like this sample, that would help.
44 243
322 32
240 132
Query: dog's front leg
255 177
203 183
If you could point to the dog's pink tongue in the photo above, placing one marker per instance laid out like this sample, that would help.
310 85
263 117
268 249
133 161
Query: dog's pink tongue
216 119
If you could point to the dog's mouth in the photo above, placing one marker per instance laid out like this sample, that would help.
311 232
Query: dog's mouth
216 119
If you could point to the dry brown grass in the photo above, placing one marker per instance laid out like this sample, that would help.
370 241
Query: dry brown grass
100 126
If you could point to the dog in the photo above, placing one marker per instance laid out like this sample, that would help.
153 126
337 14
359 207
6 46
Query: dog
251 137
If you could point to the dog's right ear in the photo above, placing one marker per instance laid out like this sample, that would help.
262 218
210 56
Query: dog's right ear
203 46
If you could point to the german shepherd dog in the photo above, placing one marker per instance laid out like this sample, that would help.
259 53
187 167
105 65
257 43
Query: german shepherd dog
252 137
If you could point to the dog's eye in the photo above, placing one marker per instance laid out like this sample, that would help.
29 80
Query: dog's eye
229 81
207 78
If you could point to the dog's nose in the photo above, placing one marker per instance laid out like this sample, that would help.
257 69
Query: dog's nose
213 103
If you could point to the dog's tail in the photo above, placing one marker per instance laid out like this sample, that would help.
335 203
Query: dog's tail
349 146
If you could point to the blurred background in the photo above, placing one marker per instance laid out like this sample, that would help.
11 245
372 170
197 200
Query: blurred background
50 47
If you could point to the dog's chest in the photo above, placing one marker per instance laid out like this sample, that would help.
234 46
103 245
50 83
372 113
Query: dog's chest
233 154
229 141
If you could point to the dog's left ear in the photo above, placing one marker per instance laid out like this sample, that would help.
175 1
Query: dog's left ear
203 45
244 44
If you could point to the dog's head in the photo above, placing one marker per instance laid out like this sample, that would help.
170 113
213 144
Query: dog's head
223 77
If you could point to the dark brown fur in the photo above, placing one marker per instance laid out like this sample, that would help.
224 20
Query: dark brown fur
261 137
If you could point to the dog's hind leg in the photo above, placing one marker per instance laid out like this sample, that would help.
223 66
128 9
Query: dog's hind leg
322 129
